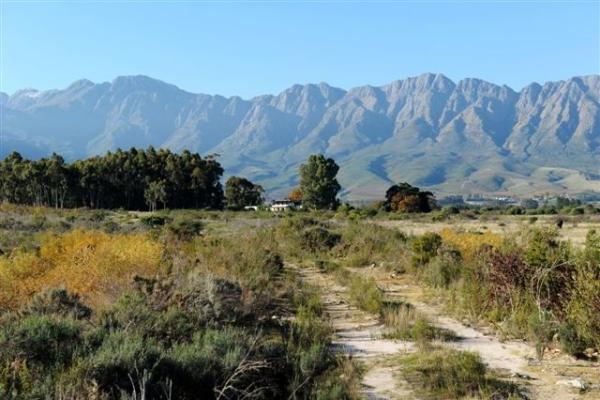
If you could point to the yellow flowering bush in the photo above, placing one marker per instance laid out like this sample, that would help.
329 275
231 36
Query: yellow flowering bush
91 263
469 243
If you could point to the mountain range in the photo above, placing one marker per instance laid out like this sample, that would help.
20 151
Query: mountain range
470 136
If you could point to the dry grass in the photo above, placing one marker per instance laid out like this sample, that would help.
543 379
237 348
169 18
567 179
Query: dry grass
574 228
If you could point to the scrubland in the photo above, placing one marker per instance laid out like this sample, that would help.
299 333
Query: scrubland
200 304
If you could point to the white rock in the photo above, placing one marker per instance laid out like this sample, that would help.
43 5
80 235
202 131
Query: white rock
577 383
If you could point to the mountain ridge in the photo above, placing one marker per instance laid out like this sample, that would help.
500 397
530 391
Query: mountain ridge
451 137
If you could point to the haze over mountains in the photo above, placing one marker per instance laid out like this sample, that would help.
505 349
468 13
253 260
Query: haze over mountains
466 137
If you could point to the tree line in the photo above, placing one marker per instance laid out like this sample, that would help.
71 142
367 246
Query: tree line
319 188
140 179
136 179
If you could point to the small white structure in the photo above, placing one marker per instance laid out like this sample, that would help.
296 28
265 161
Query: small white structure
282 205
251 208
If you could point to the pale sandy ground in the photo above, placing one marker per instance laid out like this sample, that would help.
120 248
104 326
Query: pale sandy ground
574 228
359 335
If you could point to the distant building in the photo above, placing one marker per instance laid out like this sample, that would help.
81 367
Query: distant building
284 205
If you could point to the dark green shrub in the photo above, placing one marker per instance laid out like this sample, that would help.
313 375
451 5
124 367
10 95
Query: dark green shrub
450 210
185 229
425 247
131 310
58 302
110 227
552 270
97 215
38 221
570 340
40 338
171 326
123 356
514 210
154 220
207 360
317 238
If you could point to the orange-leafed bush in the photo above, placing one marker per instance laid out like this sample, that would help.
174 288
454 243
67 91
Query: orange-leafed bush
470 243
93 264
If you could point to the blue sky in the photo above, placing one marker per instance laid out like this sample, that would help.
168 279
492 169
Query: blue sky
247 49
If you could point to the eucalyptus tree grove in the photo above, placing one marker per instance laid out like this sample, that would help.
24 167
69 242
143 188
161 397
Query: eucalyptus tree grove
135 179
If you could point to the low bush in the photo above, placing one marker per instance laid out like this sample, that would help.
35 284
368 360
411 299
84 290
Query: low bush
252 259
403 322
185 229
571 341
424 248
46 340
583 308
155 220
365 294
399 320
300 237
507 277
542 326
442 373
445 373
58 302
363 244
317 239
444 269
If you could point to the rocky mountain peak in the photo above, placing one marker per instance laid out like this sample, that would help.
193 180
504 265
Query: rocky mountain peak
425 129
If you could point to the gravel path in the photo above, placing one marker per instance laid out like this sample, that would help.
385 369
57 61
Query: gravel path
547 380
358 334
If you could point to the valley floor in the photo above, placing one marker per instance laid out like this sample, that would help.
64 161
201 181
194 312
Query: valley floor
574 229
